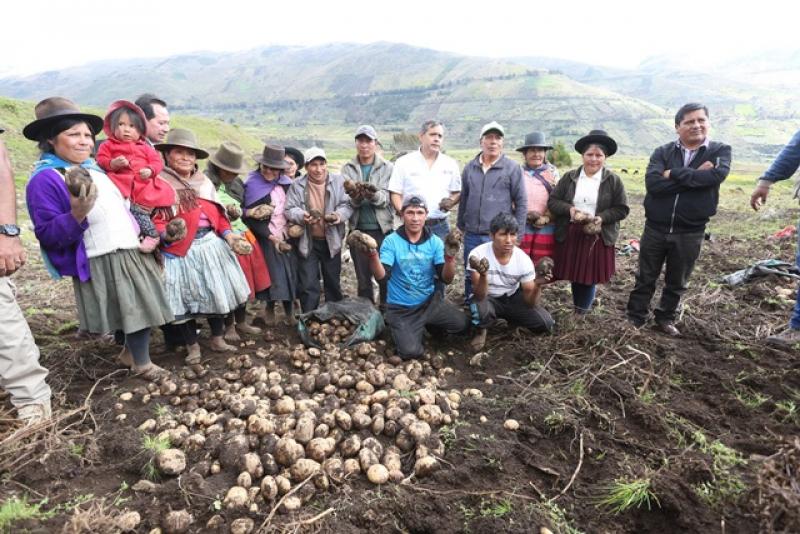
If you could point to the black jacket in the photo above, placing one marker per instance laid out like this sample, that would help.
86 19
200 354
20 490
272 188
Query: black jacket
612 204
686 200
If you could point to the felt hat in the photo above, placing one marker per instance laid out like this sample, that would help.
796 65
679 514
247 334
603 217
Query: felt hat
535 140
53 109
229 157
180 137
272 157
599 137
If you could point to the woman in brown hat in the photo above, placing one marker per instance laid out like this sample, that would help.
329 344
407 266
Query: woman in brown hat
264 213
588 203
293 158
203 277
538 240
75 209
223 169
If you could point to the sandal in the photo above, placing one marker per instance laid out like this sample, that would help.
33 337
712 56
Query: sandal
151 373
193 355
125 358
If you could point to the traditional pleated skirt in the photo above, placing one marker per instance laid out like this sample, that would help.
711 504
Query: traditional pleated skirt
126 292
282 273
208 281
254 267
583 258
539 242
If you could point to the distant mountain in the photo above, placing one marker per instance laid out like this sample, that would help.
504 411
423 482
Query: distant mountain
323 92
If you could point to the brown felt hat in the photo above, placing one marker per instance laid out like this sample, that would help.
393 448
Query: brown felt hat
180 137
229 157
55 108
272 157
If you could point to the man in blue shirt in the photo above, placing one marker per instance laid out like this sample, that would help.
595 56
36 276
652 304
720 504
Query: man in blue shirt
411 258
784 166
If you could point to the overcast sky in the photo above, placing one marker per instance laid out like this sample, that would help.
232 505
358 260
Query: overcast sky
38 35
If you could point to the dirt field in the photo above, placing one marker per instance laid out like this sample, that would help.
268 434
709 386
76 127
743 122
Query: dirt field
705 425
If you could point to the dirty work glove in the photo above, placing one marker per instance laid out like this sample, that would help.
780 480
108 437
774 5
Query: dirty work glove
452 242
176 230
480 266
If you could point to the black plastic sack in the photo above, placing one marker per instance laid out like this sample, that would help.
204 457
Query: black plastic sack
359 311
762 268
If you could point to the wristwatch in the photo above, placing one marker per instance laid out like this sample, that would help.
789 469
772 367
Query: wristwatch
11 230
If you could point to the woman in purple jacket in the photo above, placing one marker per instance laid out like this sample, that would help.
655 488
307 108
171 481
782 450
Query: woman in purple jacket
75 209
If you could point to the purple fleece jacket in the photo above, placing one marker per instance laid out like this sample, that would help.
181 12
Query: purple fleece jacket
59 234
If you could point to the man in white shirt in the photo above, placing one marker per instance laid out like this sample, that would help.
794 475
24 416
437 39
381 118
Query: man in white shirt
504 283
429 174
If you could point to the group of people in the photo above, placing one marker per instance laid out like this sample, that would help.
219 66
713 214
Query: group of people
152 240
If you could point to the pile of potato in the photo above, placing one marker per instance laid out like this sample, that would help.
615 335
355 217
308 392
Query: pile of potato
297 415
333 331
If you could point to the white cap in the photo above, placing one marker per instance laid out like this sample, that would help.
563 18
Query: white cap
313 153
488 127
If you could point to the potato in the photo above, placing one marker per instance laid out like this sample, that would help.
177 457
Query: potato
244 480
260 426
304 430
366 458
269 488
304 468
320 448
237 498
350 446
334 468
321 430
394 413
351 467
378 474
378 424
402 382
427 396
171 461
425 466
404 441
243 525
374 445
430 413
251 463
511 424
284 485
321 481
291 504
177 522
343 420
391 459
288 451
361 421
284 406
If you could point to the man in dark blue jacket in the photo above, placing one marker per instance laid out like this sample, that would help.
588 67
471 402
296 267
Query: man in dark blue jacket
682 181
784 166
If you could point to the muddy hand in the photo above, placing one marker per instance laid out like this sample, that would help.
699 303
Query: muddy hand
533 216
480 266
544 269
234 211
261 212
446 204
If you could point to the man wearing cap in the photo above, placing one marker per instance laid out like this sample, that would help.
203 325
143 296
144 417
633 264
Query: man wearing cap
682 181
318 201
429 174
155 111
372 210
491 183
411 258
20 372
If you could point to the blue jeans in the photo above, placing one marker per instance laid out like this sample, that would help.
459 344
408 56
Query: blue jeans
470 242
794 322
583 296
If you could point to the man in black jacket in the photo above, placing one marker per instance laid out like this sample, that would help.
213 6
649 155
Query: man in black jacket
682 181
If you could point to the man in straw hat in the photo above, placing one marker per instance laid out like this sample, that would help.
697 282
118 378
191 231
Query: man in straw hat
20 372
318 201
366 180
683 179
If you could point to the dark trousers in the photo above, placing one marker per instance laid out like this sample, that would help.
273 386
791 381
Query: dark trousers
408 323
514 310
364 273
308 270
439 228
679 252
470 242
